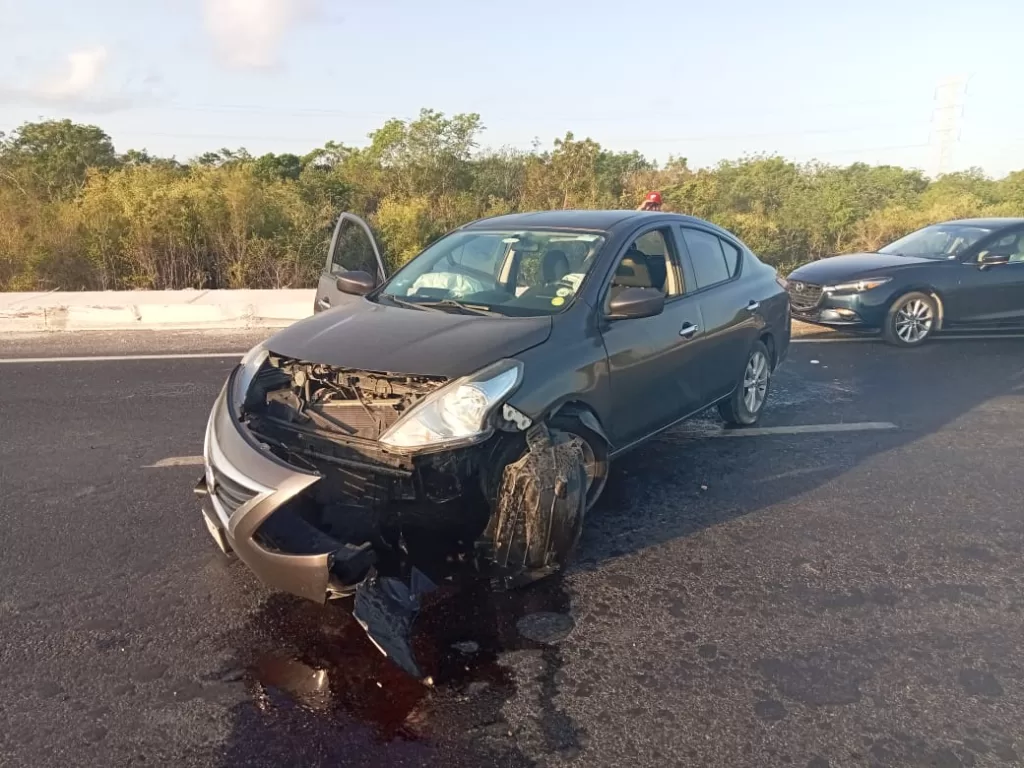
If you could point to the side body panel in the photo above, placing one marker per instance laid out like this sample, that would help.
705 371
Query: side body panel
572 366
731 321
656 373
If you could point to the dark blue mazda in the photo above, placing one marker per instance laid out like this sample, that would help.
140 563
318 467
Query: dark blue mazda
959 275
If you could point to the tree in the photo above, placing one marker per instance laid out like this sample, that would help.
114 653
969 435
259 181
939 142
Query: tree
273 167
74 215
428 156
54 157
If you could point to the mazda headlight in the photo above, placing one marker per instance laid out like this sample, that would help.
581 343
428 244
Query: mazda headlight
857 286
249 366
457 414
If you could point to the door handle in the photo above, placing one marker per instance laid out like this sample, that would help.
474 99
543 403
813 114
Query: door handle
753 306
688 331
324 302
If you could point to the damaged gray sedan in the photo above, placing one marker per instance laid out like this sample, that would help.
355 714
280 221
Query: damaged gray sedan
461 414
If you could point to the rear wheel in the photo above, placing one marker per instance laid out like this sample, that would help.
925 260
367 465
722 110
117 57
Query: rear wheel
911 320
743 408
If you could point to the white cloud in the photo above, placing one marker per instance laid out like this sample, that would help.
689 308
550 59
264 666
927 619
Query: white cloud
248 33
83 72
79 85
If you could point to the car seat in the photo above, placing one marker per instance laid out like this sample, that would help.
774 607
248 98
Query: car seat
659 271
632 272
554 266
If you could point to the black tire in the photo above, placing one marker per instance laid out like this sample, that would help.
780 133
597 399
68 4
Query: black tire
595 452
911 320
736 410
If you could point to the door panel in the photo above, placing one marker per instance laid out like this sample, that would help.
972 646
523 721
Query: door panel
728 304
655 370
732 326
992 296
987 297
353 248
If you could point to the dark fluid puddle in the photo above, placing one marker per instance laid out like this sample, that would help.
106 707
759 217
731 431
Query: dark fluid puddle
312 668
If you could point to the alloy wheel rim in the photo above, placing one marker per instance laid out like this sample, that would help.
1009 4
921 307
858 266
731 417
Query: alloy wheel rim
755 382
914 321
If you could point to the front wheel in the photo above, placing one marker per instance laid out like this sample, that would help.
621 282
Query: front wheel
595 454
743 408
911 320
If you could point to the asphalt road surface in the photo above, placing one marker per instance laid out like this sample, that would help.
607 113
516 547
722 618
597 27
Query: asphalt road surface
831 596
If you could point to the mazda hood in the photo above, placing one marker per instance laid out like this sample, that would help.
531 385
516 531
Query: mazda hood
838 269
373 337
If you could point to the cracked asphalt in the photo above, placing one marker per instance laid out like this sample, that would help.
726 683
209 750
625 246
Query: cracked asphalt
824 599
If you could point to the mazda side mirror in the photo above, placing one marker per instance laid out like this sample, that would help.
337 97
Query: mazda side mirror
357 283
634 303
989 259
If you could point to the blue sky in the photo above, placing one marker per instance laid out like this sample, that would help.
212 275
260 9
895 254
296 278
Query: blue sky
837 82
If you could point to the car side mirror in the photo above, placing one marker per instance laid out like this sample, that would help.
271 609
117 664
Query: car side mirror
989 259
634 303
357 282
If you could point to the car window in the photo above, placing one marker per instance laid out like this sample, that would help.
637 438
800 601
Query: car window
940 241
709 266
661 260
1017 253
353 250
1010 246
482 253
732 257
520 273
649 262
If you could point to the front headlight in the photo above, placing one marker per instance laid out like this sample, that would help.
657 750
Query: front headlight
250 364
457 414
857 286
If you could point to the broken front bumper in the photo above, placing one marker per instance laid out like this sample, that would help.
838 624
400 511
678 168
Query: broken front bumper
237 504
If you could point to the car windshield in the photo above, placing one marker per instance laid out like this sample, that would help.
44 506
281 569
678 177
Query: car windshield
525 273
942 241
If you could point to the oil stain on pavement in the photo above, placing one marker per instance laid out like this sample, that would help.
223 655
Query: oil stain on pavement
320 692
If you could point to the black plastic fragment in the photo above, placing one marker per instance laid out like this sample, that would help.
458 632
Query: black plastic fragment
351 563
538 513
386 608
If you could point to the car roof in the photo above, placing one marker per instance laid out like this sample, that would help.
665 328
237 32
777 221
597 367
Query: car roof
592 220
991 223
595 221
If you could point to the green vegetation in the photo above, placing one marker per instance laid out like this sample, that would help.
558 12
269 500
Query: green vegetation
75 215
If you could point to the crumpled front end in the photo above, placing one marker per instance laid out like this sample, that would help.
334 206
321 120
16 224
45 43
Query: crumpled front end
298 485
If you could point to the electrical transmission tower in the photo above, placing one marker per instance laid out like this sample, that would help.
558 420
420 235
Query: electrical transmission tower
949 109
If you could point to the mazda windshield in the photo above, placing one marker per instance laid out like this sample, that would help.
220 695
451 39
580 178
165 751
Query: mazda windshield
525 273
942 241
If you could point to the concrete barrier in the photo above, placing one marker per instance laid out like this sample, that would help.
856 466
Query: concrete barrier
152 310
171 310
